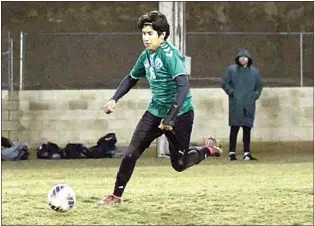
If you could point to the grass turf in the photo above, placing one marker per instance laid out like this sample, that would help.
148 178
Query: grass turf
275 190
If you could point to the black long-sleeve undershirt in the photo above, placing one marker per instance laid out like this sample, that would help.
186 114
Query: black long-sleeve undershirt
126 84
182 91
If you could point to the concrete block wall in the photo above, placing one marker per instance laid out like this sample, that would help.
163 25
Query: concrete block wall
62 116
10 125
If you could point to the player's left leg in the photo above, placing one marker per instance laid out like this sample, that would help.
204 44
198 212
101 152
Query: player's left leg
182 156
146 131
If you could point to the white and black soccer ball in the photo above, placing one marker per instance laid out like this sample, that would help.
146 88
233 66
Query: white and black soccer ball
61 198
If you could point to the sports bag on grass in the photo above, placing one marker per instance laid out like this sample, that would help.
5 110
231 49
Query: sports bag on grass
75 151
12 152
49 151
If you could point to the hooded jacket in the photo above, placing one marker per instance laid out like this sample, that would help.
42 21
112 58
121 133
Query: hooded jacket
243 85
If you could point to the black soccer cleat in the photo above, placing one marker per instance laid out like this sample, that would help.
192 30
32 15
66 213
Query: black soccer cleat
232 157
248 157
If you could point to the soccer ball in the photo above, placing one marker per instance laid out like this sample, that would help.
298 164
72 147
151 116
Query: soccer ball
61 198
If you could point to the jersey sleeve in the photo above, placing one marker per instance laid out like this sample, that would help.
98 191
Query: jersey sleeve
175 63
138 69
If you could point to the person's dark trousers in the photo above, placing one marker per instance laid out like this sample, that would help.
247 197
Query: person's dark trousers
181 156
233 138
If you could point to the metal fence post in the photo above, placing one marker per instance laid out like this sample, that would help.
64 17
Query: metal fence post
21 59
301 59
11 85
9 63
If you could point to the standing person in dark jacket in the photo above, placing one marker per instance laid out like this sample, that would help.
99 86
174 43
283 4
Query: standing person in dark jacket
242 83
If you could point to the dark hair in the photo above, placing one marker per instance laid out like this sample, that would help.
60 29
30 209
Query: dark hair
157 20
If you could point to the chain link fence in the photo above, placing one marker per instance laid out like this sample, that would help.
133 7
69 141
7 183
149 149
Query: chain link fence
78 60
284 59
6 61
101 60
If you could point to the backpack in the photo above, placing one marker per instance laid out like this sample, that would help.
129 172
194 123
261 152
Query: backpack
5 142
105 147
75 151
108 142
98 152
49 151
14 153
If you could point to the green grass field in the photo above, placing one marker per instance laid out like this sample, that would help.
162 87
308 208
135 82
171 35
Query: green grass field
276 190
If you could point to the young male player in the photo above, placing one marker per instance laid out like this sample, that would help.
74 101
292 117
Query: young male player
170 111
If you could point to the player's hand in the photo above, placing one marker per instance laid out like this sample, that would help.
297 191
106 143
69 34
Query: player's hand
165 127
110 106
167 123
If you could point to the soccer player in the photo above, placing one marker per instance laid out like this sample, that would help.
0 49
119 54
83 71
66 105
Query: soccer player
170 111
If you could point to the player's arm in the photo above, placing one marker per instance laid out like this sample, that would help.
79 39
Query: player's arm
182 92
176 68
126 84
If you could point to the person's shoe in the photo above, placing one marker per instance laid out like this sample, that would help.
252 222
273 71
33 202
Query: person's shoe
232 157
110 200
248 157
214 148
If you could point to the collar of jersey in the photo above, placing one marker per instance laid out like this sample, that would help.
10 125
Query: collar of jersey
151 52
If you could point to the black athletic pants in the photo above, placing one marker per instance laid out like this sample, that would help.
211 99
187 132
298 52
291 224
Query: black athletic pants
147 131
233 138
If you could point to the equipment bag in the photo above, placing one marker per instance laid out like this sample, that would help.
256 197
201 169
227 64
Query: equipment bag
49 151
98 152
75 151
108 142
14 153
5 142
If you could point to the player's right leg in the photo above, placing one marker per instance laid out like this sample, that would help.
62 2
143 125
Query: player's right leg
146 131
182 156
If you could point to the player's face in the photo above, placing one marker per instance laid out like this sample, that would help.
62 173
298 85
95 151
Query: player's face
243 60
150 38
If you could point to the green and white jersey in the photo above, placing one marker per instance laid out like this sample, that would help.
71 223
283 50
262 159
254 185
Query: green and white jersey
160 68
